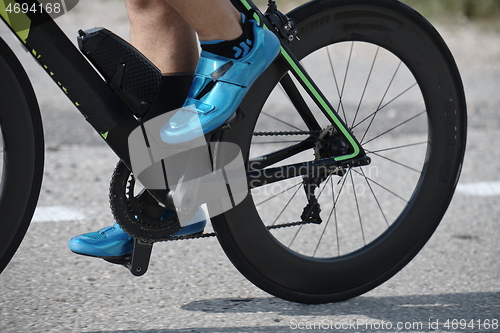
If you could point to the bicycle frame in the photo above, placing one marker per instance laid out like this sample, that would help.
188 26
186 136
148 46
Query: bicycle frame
109 116
78 80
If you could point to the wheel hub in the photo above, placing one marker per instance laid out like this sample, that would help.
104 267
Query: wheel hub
330 144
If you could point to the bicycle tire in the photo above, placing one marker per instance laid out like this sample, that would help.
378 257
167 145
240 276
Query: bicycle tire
22 151
396 28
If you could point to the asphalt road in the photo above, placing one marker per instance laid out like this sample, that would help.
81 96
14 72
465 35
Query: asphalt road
191 285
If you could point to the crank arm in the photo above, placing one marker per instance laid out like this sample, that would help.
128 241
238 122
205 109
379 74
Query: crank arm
139 261
136 262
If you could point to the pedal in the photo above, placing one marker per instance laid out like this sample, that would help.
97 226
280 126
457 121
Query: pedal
126 70
138 261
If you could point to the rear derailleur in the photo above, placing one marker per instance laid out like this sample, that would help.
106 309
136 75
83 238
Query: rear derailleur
328 144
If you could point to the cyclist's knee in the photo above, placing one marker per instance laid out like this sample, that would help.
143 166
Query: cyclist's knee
149 6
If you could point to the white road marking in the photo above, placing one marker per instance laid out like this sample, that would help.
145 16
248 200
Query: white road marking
480 189
56 214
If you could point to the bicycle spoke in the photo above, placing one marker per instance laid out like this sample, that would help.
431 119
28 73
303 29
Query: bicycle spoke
390 84
383 97
396 147
335 200
274 196
334 212
289 88
281 120
398 163
358 209
379 109
341 105
394 127
334 209
322 233
375 197
284 208
309 212
295 236
383 187
345 80
366 85
398 96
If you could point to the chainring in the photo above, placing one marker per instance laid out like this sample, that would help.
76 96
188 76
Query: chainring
139 215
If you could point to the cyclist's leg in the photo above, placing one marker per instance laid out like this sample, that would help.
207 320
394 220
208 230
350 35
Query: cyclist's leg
164 37
212 20
235 52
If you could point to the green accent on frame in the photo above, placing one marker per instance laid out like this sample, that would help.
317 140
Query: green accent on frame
248 7
19 22
317 96
325 107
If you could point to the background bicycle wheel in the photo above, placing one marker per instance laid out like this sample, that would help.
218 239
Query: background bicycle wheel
191 286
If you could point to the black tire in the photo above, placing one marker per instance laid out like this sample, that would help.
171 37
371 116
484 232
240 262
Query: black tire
412 208
22 153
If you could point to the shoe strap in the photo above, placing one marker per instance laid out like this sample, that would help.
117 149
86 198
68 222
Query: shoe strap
228 71
196 106
105 230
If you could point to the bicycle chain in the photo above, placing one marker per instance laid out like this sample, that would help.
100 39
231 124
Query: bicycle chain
212 234
272 227
208 235
126 174
286 133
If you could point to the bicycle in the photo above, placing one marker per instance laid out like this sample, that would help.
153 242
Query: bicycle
330 216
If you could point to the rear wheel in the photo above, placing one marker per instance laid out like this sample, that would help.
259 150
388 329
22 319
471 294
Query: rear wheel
395 84
21 153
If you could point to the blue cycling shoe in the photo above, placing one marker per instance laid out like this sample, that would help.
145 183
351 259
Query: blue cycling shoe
218 88
114 242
